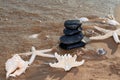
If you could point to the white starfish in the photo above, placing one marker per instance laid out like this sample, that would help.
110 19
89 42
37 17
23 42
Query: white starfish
40 53
15 66
108 33
66 62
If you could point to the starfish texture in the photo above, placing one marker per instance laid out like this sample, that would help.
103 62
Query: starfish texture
107 34
66 62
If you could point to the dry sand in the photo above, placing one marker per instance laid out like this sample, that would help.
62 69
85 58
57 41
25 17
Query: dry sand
21 18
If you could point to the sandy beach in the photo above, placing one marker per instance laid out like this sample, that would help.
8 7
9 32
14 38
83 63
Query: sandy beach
21 18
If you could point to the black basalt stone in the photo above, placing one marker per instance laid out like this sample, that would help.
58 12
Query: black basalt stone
72 46
71 32
72 24
71 39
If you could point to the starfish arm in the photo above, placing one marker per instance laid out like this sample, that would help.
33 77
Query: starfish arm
45 55
57 65
58 57
118 31
40 53
37 51
115 37
107 35
78 63
25 54
101 29
33 56
45 50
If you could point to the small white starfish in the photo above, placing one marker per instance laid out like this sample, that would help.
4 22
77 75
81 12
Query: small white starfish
108 33
40 53
66 62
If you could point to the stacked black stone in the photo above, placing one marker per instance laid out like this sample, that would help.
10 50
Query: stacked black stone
73 35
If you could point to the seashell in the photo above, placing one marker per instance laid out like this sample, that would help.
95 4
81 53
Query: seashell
66 62
17 62
83 19
13 63
113 22
33 36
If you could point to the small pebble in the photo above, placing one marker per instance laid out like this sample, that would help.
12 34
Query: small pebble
72 24
101 51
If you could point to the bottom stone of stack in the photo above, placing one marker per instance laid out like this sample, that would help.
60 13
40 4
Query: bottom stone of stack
72 46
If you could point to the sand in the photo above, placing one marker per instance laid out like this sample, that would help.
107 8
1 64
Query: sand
21 18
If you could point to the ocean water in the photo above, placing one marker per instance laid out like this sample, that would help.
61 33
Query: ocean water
57 10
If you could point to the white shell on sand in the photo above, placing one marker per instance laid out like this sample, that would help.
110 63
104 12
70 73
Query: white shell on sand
13 63
15 66
66 62
33 36
83 19
113 22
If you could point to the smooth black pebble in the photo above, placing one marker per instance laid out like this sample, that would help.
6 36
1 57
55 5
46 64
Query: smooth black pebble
72 24
72 46
71 39
71 32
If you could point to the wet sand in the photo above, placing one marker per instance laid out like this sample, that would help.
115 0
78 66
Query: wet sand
22 18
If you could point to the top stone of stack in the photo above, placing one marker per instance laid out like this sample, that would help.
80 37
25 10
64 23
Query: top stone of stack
72 24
